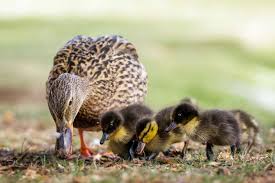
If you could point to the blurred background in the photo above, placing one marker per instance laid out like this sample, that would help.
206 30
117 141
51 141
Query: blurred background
219 52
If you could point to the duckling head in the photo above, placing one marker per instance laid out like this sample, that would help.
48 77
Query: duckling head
110 122
181 115
146 130
191 101
66 96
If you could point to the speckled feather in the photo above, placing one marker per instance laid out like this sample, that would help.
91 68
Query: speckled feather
110 64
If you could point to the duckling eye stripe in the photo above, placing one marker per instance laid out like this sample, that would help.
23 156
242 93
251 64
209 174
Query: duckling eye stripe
144 130
145 133
151 133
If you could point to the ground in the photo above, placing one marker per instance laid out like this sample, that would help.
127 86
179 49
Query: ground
30 156
182 58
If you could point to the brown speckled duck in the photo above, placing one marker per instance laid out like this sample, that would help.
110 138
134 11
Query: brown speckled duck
89 77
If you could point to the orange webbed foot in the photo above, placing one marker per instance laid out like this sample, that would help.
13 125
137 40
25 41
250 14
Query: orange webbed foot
86 152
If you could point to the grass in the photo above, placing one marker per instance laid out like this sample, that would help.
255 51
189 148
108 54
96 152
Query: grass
180 62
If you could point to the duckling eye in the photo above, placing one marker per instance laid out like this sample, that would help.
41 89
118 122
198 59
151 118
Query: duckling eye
179 114
112 123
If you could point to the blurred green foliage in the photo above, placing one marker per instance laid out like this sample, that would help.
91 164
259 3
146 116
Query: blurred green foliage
180 62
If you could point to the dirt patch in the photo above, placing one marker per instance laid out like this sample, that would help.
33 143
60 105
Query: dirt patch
267 177
14 96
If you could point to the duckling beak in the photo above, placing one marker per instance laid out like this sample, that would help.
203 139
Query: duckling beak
63 145
171 127
140 147
105 136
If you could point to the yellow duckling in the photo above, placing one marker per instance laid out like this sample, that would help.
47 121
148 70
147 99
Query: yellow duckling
120 126
152 137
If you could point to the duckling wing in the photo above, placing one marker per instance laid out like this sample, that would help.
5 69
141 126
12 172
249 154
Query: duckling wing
223 126
246 119
132 115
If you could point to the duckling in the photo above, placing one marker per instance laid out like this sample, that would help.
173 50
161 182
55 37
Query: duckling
246 121
120 126
91 75
163 118
152 137
213 127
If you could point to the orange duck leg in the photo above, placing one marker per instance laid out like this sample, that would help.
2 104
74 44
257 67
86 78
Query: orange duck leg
84 150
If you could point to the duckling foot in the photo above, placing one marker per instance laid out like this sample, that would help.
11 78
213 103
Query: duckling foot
167 152
86 152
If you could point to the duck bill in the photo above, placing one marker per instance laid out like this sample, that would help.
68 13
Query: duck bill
63 145
171 127
105 136
140 147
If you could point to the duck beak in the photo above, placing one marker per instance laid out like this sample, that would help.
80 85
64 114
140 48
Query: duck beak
63 145
140 147
105 136
171 127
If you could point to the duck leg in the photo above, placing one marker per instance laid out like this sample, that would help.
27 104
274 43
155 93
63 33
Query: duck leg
209 151
84 150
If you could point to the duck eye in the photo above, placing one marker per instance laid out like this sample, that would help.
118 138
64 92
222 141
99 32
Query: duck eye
179 114
71 101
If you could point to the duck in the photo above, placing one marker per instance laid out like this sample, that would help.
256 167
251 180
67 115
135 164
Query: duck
89 76
247 122
213 127
119 127
151 136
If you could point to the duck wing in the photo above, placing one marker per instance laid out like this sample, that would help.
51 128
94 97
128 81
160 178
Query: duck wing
110 64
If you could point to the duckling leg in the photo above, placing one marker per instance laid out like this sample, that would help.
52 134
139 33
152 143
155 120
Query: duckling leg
209 151
232 148
152 156
132 150
184 149
238 146
84 150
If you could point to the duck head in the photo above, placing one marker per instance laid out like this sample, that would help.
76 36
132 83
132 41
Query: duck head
65 98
